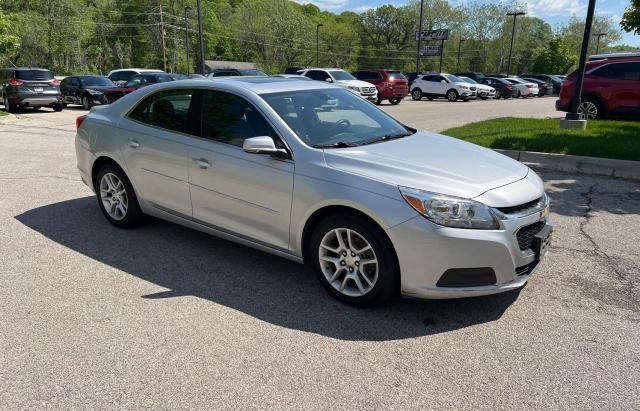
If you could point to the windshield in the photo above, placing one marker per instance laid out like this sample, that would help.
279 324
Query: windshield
96 81
34 75
252 72
341 75
333 117
453 78
468 80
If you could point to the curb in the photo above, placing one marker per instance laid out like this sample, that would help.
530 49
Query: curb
577 164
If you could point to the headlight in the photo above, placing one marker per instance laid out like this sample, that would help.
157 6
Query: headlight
450 211
354 88
464 87
93 91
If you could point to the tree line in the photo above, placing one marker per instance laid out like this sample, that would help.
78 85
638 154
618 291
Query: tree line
95 36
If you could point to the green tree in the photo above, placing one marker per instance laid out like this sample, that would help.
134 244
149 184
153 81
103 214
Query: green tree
556 57
631 18
8 42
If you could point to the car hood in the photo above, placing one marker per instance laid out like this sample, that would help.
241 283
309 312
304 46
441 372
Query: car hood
430 162
98 88
354 83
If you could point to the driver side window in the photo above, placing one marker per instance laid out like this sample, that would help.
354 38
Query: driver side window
230 119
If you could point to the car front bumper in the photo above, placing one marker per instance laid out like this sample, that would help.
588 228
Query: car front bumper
426 251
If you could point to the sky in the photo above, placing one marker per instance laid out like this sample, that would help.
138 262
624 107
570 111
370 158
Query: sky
555 12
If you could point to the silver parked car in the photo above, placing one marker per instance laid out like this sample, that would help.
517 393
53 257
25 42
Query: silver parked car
311 172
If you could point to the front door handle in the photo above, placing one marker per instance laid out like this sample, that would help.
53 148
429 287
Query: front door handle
134 144
203 163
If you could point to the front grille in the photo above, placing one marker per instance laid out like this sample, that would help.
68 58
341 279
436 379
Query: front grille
526 269
520 207
368 90
472 88
527 233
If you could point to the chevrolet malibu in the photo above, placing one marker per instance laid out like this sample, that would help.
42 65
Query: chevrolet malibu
310 172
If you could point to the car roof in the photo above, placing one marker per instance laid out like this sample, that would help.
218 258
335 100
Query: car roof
26 68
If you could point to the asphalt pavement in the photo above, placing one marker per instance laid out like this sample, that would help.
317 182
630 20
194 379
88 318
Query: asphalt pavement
165 317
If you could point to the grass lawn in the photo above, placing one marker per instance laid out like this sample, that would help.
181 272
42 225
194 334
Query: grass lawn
603 138
3 113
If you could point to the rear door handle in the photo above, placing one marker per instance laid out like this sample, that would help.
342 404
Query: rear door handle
203 163
134 144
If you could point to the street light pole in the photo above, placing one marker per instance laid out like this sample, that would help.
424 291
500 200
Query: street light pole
318 43
513 33
459 47
598 35
186 30
201 39
419 38
575 103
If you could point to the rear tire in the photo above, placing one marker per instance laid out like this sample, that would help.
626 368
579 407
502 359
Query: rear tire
9 106
590 109
114 190
340 264
416 94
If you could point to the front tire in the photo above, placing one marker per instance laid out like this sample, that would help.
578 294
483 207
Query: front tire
452 95
395 101
86 103
354 260
57 107
116 197
416 94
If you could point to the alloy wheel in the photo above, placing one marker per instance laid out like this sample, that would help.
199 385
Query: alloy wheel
588 110
85 103
452 96
348 262
114 196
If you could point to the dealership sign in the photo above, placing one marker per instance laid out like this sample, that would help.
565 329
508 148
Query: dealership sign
430 51
440 34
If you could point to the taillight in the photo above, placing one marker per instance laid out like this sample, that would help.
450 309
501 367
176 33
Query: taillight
529 85
80 120
14 82
55 83
509 85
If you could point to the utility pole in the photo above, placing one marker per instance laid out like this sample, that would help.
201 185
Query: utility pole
419 37
199 6
513 33
459 47
318 44
598 35
575 103
164 51
441 54
186 33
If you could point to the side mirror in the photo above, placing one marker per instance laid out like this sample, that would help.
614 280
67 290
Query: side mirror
443 81
329 80
263 145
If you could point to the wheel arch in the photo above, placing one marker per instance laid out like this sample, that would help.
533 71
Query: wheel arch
597 99
100 162
323 212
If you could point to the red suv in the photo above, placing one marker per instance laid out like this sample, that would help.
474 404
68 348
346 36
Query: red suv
611 87
392 85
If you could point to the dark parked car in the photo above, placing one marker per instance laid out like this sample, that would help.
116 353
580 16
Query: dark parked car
29 87
611 87
502 86
544 88
135 83
392 85
86 91
555 80
228 72
473 75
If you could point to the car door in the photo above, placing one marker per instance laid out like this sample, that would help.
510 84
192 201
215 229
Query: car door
75 90
621 82
156 151
245 194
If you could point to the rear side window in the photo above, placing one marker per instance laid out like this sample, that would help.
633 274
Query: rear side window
317 75
122 75
34 75
169 109
620 71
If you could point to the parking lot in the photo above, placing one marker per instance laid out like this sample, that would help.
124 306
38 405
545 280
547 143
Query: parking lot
166 317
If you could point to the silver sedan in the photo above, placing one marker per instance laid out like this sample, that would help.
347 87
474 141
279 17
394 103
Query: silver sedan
312 173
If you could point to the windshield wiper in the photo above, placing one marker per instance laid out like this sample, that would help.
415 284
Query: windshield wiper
339 144
384 138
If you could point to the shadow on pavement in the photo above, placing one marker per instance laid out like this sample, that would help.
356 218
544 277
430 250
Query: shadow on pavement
272 289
